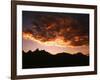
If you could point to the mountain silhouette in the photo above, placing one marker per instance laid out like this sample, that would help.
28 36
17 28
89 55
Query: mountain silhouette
43 59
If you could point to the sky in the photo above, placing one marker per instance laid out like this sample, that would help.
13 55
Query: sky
55 32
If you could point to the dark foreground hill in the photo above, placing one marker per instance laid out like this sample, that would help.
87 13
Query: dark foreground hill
43 59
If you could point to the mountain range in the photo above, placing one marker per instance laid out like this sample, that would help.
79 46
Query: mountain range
44 59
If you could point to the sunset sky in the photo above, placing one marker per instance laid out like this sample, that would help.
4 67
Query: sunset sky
55 32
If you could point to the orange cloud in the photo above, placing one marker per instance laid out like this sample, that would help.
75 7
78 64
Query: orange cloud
56 30
59 41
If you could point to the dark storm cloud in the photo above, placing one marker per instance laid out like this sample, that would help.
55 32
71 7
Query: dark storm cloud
50 26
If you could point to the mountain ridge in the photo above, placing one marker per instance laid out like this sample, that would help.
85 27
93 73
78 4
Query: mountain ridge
41 59
37 50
